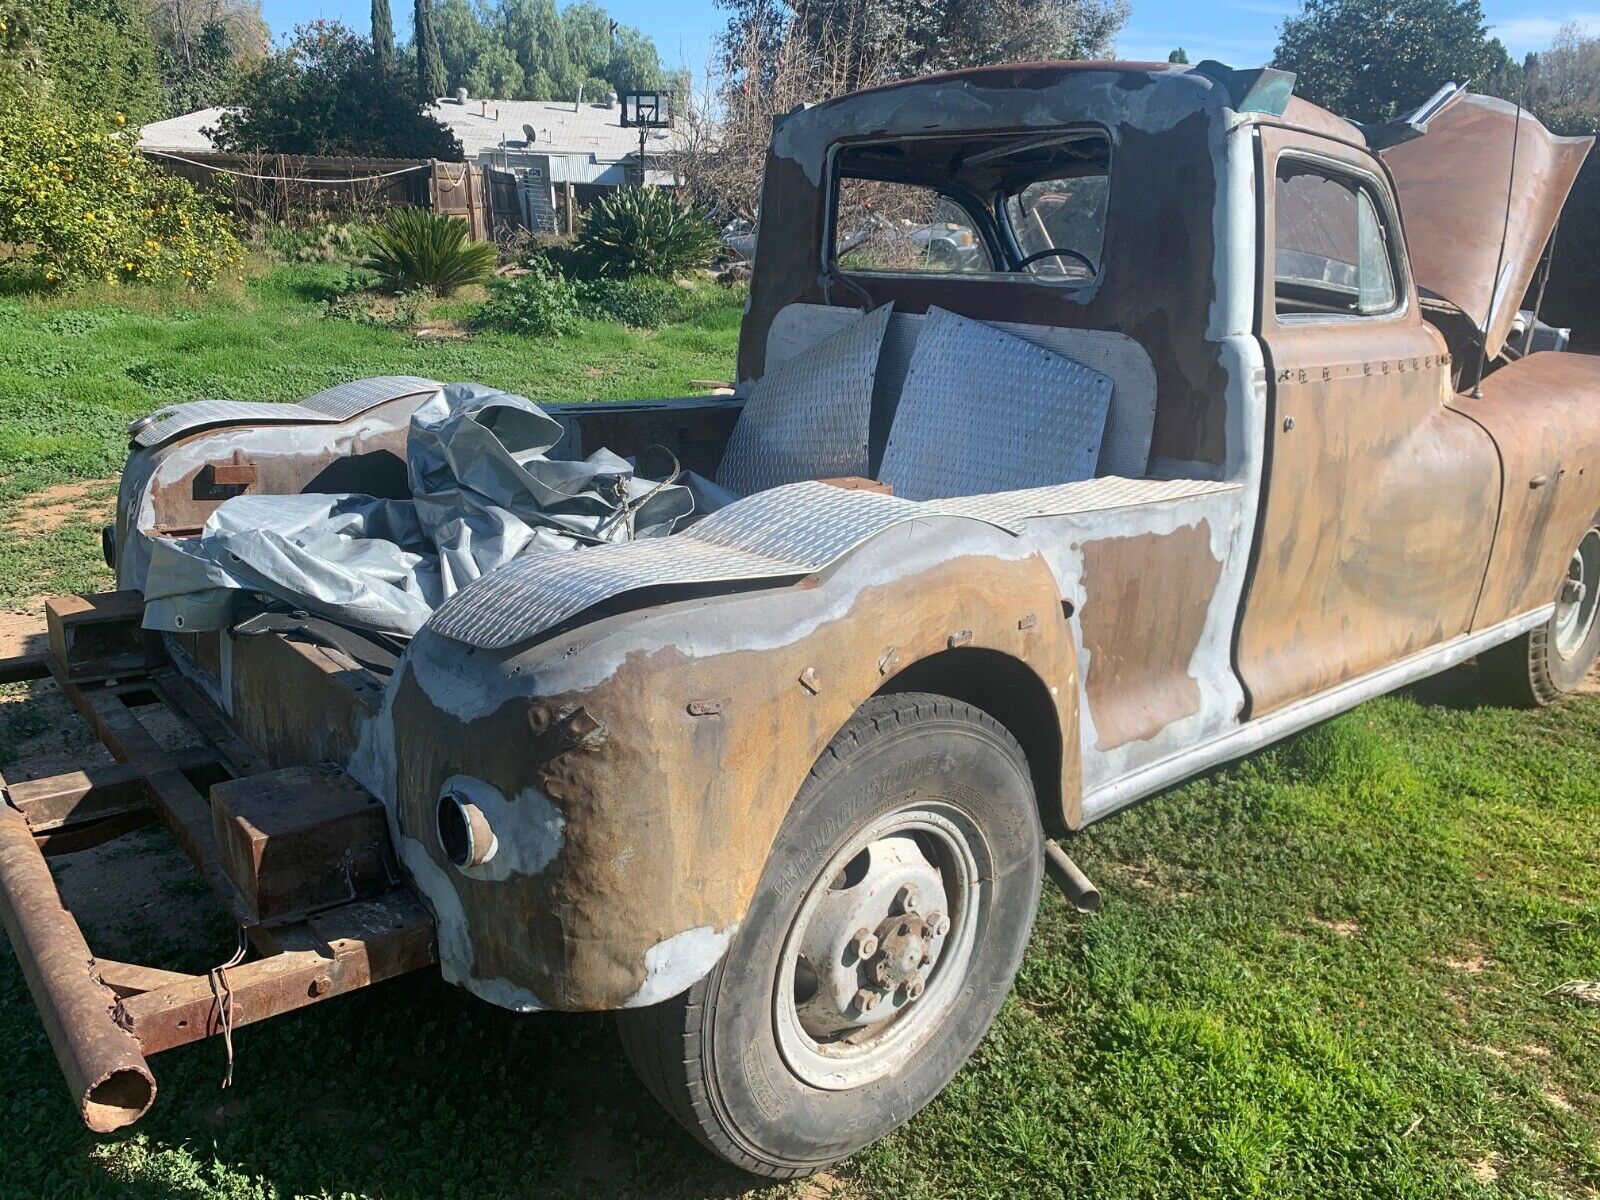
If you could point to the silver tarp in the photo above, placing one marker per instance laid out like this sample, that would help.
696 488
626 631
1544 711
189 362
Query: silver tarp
483 493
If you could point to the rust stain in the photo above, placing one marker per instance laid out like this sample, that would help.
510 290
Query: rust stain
1141 633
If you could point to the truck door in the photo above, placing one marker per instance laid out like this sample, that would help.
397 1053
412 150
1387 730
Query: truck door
1379 503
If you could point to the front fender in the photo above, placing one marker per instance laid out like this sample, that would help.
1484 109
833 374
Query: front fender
631 838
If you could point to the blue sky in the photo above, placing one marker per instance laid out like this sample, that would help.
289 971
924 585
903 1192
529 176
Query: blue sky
1240 32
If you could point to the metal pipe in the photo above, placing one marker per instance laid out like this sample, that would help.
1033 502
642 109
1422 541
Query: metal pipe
1069 877
103 1063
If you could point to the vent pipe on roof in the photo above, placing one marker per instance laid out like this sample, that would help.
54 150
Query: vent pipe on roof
461 96
611 99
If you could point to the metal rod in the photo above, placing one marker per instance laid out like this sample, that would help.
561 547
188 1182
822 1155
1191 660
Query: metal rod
103 1063
1069 877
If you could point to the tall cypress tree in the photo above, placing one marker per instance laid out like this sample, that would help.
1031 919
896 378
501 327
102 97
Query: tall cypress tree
382 32
431 80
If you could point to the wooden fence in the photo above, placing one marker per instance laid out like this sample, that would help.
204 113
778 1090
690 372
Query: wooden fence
282 187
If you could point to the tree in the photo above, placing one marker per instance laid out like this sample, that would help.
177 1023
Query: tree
496 72
1371 60
383 32
431 79
535 35
1180 55
462 39
327 92
202 46
98 56
879 40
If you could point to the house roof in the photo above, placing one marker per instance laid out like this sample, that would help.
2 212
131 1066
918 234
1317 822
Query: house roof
559 128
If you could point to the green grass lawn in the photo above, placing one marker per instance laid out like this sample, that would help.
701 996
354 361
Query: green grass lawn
1325 971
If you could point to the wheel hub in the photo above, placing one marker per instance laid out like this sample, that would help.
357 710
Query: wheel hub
1580 594
875 957
868 948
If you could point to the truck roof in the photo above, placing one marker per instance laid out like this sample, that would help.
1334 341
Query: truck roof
1209 79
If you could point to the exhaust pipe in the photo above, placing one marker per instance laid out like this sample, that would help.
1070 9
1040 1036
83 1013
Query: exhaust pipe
1074 884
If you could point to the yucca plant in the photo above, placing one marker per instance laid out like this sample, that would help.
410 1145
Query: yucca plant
644 231
414 248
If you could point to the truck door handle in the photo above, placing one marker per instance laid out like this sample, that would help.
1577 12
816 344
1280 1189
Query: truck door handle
1538 481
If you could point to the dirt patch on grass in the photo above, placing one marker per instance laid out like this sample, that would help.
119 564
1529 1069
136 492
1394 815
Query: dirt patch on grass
1485 1169
47 511
1345 929
22 632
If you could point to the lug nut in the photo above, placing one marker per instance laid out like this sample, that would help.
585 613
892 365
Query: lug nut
914 989
937 923
867 999
864 945
906 898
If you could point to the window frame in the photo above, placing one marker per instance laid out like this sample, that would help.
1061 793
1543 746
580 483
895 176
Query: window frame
989 221
1378 192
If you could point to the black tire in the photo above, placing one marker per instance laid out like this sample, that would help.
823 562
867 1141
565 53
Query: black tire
1535 670
711 1055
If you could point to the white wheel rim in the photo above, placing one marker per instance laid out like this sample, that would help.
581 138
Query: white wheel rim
1580 595
937 851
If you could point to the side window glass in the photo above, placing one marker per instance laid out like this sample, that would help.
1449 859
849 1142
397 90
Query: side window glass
902 227
1333 248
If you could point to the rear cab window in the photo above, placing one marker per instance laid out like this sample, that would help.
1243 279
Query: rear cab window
1029 205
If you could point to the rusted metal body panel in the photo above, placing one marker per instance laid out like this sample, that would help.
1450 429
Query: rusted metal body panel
641 845
1481 192
1543 413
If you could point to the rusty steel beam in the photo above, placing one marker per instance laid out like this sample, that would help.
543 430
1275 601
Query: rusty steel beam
179 804
103 1063
93 793
336 952
22 668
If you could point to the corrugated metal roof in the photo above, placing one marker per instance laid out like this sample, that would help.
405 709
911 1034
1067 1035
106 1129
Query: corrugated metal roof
559 128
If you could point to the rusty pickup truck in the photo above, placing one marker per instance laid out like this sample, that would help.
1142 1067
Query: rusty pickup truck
1206 415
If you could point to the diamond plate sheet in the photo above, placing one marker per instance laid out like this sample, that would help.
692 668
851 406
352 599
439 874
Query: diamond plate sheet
787 531
983 411
1125 449
808 417
335 404
1011 510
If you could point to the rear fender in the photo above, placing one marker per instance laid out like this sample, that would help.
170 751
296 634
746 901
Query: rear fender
639 766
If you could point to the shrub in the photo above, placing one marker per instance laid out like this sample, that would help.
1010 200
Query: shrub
642 301
414 248
644 231
78 201
331 241
540 303
384 312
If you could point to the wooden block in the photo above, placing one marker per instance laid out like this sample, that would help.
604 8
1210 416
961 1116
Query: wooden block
301 839
856 483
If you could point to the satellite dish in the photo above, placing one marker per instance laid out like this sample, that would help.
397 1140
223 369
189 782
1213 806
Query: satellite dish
528 132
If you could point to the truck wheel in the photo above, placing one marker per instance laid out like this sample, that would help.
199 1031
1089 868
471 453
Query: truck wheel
1547 663
889 921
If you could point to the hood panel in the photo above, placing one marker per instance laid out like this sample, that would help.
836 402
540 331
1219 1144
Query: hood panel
1452 187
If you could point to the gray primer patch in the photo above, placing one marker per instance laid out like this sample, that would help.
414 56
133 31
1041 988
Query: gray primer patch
529 831
681 960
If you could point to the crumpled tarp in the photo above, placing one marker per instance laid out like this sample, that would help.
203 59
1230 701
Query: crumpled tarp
483 493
